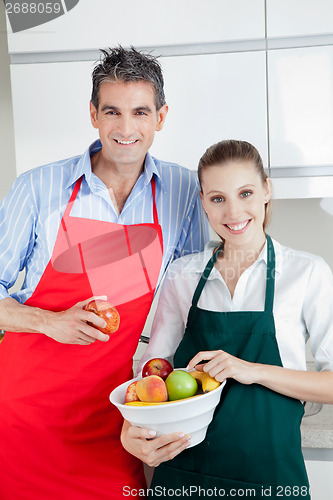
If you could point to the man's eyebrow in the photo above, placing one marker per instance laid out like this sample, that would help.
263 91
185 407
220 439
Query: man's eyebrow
108 107
146 109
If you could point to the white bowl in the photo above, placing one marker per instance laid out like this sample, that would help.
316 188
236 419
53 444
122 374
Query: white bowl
191 416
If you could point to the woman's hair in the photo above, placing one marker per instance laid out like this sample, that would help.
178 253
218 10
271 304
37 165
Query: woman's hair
233 150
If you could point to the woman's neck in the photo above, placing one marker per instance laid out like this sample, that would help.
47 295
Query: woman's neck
243 254
233 261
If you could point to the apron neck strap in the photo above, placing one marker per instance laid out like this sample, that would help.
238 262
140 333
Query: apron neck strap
72 198
153 188
77 188
205 274
270 276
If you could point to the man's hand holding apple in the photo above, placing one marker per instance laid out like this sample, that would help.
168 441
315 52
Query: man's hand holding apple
75 325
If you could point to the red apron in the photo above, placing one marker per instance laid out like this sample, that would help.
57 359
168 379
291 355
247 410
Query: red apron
59 434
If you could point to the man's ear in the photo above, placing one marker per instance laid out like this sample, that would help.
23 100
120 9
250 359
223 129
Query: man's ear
93 115
161 115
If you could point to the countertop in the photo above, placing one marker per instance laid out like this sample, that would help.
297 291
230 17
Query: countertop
317 430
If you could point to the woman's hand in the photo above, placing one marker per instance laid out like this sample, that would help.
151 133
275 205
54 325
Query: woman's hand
222 365
71 326
141 443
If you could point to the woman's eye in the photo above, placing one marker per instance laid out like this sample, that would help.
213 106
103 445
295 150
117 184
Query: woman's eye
246 194
217 199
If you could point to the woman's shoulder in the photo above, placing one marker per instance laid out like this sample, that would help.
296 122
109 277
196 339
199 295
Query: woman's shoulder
298 260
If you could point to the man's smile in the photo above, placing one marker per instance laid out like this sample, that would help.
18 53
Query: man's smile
126 143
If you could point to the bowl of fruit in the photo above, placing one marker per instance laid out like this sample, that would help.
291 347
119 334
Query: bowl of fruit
169 400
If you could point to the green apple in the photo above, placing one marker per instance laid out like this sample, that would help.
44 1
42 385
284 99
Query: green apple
180 384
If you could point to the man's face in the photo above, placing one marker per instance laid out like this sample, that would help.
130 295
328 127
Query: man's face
127 119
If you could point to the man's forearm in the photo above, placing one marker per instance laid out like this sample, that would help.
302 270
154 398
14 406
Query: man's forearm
16 317
72 326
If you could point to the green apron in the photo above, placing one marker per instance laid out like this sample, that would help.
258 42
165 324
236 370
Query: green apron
253 445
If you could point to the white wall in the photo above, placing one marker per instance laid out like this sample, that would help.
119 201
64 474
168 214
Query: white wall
7 148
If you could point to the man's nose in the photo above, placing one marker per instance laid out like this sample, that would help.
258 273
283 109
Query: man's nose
126 126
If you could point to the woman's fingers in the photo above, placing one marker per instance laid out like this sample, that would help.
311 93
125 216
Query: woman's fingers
165 447
153 451
202 356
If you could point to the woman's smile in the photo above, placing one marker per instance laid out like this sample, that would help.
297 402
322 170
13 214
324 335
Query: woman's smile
238 228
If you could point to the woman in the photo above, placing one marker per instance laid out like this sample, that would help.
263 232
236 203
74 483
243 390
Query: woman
249 306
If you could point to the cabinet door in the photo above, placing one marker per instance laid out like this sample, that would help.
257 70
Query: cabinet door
101 23
299 17
212 97
301 107
321 478
51 112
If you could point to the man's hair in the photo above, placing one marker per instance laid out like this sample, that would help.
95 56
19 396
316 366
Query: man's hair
127 65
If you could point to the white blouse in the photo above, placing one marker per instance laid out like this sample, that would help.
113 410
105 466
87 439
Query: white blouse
303 303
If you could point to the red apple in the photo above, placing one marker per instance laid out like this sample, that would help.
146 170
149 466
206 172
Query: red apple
157 366
105 310
152 389
131 394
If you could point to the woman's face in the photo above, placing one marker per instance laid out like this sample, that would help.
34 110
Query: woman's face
234 197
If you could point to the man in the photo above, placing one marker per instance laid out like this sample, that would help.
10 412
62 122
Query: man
105 225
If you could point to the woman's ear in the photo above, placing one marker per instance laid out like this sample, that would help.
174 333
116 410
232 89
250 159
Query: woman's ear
202 202
268 194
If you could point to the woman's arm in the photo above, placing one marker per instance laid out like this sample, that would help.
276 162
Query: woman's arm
170 317
316 387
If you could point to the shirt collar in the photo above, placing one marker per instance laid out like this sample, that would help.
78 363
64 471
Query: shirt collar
83 167
199 261
278 255
151 167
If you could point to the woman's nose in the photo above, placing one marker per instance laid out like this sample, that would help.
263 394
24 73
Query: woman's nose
233 210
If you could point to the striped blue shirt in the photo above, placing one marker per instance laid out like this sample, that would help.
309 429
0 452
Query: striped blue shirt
31 213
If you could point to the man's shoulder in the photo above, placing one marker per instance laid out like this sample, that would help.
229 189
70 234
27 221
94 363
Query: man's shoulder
57 169
168 170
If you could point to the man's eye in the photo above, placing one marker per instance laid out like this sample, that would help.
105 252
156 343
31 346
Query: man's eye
111 113
140 113
246 194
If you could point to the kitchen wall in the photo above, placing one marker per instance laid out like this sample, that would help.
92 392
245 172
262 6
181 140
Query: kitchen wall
7 145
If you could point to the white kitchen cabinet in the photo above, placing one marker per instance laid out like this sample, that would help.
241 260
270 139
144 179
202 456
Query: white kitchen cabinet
321 479
51 112
300 83
210 98
101 23
287 18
